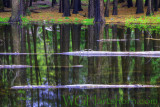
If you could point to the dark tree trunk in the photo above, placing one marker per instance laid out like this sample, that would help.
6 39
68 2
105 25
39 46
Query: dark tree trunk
61 6
156 3
72 4
75 7
115 7
99 11
146 3
139 6
136 3
66 8
150 8
91 9
79 6
53 2
106 13
130 3
121 1
30 3
6 3
1 6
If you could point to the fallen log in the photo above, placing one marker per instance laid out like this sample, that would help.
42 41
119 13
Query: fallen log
27 66
115 40
84 86
109 53
14 66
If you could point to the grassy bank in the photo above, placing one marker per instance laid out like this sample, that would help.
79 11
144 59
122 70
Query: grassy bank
51 15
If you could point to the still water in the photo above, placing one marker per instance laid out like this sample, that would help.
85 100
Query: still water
41 66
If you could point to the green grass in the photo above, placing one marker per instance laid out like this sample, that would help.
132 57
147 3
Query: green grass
144 20
88 21
4 19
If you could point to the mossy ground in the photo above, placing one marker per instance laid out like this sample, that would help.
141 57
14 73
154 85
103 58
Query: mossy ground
125 15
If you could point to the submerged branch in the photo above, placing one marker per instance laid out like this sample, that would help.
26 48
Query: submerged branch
109 53
84 86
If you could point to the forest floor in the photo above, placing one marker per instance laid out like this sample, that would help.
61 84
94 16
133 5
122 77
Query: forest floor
43 12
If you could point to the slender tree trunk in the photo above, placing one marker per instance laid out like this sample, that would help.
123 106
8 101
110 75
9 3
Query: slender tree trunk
1 6
79 6
61 6
91 9
156 3
72 4
106 13
139 6
115 7
30 3
53 2
146 3
150 8
99 11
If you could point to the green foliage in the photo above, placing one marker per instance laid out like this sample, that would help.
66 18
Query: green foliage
88 21
25 20
66 17
4 19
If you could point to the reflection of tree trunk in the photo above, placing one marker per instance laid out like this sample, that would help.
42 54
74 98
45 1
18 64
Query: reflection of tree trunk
147 61
128 39
18 79
65 40
107 37
34 34
76 31
138 60
120 32
45 49
64 47
99 31
30 61
57 76
15 28
90 44
114 60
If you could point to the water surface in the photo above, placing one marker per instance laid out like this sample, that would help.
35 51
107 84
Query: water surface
41 66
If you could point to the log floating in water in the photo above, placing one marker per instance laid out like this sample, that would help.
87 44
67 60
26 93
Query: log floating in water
84 86
27 66
14 66
109 53
114 40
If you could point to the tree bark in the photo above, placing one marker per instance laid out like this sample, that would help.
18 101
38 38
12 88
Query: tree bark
99 11
1 6
106 14
15 17
61 6
146 3
66 8
115 7
139 6
156 3
130 3
75 7
150 8
91 9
